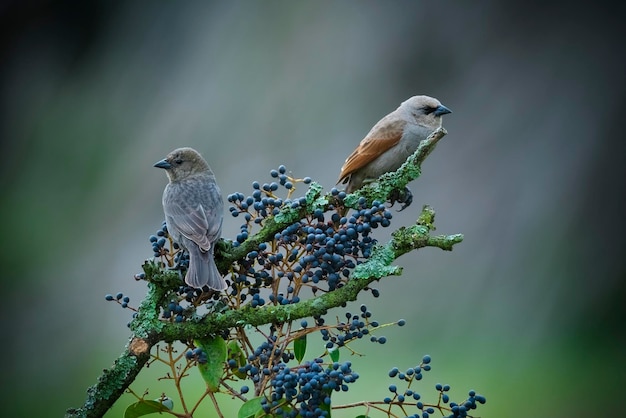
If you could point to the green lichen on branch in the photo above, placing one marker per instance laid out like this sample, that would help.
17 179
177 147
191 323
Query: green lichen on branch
405 240
113 381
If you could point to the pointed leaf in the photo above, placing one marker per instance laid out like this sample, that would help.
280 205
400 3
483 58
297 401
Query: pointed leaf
334 354
143 407
299 347
250 408
213 369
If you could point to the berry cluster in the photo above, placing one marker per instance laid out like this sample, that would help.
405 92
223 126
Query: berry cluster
159 240
263 202
321 251
409 396
119 298
171 256
175 310
460 410
306 390
261 363
318 252
355 327
197 354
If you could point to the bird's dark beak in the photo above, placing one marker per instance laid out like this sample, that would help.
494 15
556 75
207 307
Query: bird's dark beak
442 110
163 164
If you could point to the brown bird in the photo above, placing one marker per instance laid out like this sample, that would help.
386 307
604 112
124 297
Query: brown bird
391 141
194 211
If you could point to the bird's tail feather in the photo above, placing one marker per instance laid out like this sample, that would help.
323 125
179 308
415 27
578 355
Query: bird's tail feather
202 270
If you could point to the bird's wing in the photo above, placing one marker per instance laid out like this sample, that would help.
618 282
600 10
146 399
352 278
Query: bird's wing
192 223
384 135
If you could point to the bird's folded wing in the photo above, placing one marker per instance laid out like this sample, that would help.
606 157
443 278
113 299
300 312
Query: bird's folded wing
192 223
384 135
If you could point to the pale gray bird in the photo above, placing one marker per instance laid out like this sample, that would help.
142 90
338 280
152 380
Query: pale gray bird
194 211
391 141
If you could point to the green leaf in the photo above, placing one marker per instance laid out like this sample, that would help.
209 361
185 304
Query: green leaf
250 408
142 408
236 353
299 347
213 369
334 354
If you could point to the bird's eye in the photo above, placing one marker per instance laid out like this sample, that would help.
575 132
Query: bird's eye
178 161
428 110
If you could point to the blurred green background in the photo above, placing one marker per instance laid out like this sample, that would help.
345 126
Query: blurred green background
528 310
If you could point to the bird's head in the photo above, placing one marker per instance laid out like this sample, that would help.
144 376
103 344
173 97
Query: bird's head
425 110
182 163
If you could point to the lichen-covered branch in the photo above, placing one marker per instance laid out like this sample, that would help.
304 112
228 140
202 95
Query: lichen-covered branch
404 240
148 329
114 380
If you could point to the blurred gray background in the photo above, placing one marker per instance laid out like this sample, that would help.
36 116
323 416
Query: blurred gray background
528 310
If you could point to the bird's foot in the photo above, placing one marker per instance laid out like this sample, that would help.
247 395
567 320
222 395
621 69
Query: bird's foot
405 197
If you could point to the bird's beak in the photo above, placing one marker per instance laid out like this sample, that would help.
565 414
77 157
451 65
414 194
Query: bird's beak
163 164
442 110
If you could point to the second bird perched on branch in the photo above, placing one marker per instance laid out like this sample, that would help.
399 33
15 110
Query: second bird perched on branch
391 141
194 211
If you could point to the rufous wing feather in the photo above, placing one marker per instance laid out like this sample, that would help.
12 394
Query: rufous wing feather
384 135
